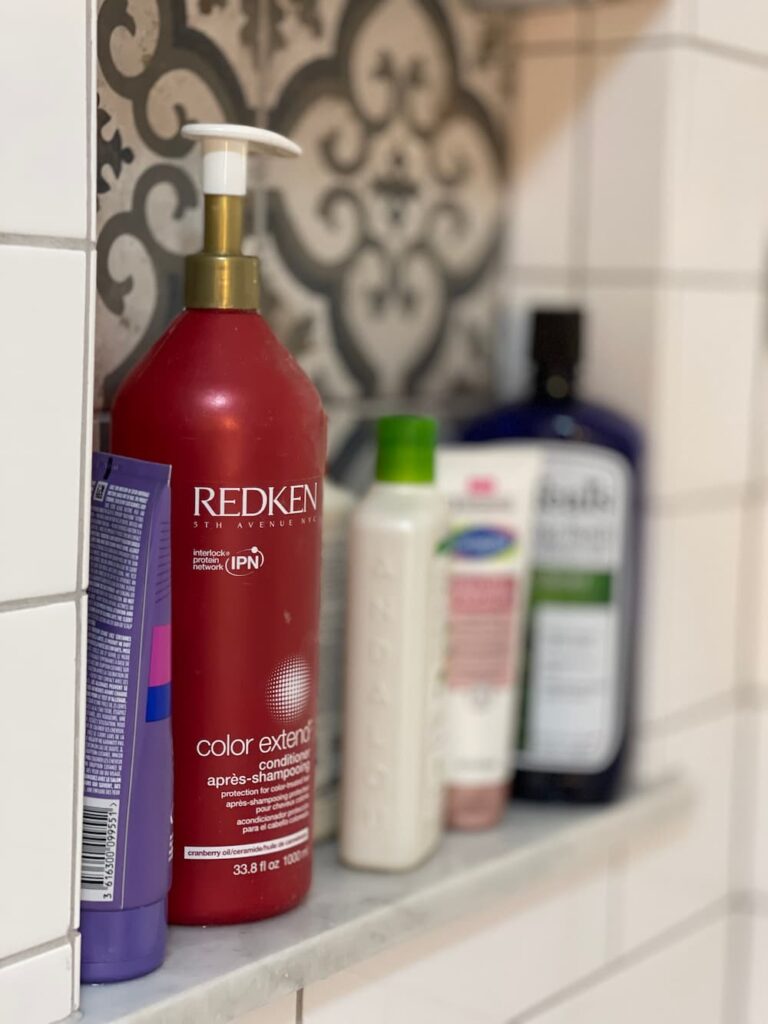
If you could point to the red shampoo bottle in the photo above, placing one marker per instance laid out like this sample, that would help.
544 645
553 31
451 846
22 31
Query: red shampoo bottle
221 400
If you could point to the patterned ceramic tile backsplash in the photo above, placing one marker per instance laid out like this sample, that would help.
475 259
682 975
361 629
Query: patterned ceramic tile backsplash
380 247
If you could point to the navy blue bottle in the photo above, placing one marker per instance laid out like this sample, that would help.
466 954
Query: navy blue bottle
579 664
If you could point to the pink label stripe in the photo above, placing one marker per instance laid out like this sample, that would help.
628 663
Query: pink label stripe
160 659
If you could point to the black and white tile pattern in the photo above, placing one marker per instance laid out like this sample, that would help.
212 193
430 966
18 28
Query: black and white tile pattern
380 247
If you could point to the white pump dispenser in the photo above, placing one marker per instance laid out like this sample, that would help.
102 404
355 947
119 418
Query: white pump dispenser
225 153
220 276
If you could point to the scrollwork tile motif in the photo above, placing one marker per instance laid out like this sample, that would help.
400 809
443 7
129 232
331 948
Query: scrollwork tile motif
110 151
382 243
393 213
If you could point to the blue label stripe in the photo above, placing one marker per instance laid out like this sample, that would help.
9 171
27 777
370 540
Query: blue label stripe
481 542
158 702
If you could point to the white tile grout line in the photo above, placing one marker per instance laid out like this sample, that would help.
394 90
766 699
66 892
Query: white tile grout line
745 784
581 154
699 501
614 922
726 703
25 954
756 903
739 970
753 696
578 44
662 41
29 603
739 942
752 559
641 277
47 242
669 937
736 54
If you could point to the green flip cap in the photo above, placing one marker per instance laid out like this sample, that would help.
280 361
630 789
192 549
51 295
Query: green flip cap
406 449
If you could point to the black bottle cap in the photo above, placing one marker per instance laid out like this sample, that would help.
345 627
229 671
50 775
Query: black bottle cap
556 344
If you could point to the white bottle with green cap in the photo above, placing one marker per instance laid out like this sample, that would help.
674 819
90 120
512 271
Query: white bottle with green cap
392 785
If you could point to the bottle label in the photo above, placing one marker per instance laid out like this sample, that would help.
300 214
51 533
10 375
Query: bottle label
127 758
491 492
482 613
246 730
269 793
577 652
256 511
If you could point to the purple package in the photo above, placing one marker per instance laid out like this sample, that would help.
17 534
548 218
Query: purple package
128 761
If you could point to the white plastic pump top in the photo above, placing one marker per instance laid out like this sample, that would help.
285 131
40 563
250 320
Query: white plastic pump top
225 153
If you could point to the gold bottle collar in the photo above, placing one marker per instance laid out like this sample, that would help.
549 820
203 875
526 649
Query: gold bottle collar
221 277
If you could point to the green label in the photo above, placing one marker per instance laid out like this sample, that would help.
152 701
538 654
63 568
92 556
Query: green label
571 587
576 658
558 586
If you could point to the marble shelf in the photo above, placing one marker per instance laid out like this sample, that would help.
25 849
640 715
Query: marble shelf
217 974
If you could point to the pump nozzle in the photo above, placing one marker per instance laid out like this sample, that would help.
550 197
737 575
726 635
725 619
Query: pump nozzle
221 277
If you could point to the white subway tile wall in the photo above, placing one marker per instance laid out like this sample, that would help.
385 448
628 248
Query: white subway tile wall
684 982
742 24
468 966
622 327
42 292
718 211
44 68
690 626
37 737
706 355
348 998
532 968
47 267
481 970
672 881
624 188
37 988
